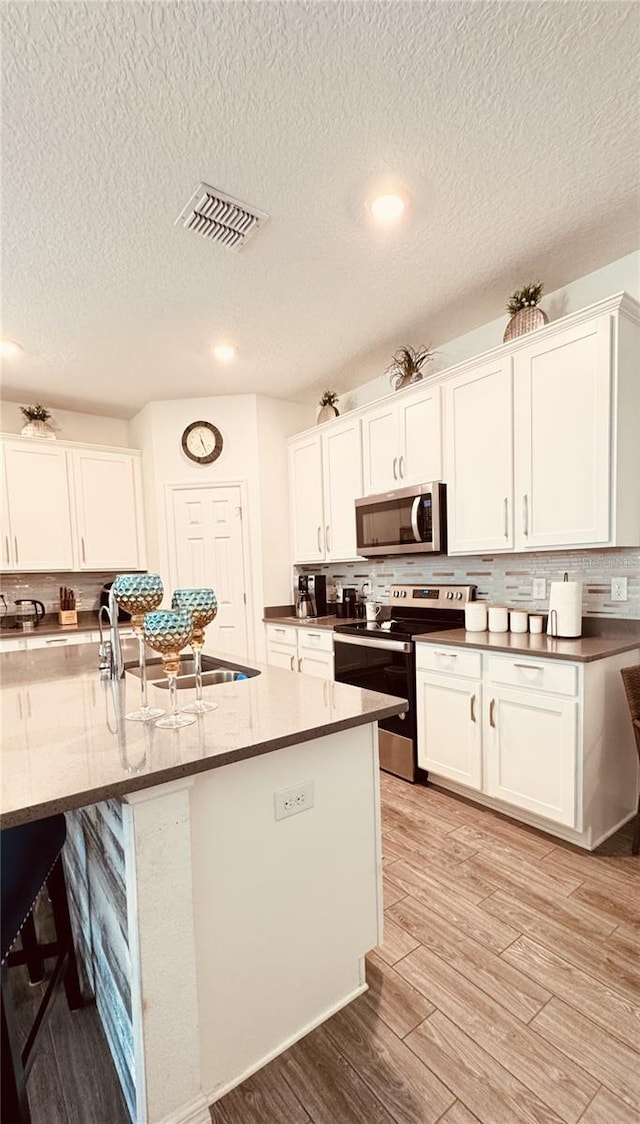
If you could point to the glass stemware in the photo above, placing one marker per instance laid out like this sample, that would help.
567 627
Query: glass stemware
168 631
137 594
203 604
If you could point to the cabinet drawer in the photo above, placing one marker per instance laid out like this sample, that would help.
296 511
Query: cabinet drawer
282 634
543 675
451 661
318 639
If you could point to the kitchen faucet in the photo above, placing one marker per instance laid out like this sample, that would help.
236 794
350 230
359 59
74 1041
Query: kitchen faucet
110 651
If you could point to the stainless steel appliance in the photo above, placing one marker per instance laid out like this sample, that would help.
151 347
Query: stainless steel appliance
407 521
380 656
311 596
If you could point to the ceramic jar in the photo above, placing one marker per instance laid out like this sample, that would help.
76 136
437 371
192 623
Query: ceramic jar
518 620
498 618
475 616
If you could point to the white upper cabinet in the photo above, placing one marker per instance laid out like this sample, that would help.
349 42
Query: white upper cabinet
325 476
70 507
342 467
307 505
108 508
402 442
479 459
38 505
562 389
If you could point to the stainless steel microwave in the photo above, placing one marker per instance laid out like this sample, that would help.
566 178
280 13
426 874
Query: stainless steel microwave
407 521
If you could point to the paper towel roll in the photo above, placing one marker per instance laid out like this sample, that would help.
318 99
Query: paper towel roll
565 609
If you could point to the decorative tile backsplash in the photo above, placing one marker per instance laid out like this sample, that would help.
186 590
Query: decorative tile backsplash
45 588
502 579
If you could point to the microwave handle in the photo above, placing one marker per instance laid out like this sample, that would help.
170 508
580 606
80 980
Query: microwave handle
415 507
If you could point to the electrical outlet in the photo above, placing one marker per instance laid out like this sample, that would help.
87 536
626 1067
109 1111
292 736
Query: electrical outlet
618 589
539 589
290 801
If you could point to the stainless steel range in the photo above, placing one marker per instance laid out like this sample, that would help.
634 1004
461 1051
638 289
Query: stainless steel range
380 656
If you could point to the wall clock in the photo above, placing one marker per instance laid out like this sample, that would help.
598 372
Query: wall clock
202 442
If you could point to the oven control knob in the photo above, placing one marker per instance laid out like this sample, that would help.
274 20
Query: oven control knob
459 596
449 595
404 593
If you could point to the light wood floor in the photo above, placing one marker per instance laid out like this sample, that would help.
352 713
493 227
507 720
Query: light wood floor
507 989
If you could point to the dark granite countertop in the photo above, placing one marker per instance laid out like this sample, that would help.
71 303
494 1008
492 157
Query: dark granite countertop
583 650
66 744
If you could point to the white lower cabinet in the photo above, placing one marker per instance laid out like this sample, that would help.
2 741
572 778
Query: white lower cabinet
548 741
530 752
449 727
300 648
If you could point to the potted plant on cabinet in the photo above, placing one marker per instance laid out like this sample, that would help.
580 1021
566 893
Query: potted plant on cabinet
37 421
328 404
525 314
406 365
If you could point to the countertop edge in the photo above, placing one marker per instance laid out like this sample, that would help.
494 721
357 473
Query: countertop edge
137 782
612 646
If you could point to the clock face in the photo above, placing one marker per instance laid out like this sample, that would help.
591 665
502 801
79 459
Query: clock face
202 442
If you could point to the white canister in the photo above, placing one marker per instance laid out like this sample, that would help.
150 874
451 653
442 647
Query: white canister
518 620
475 616
498 618
535 623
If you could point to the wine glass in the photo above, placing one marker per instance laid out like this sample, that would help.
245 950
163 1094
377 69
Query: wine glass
138 594
203 604
168 631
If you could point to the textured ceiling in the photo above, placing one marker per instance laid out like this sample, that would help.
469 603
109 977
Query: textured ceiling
513 127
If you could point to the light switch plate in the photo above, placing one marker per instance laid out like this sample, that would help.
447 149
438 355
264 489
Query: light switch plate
539 589
618 589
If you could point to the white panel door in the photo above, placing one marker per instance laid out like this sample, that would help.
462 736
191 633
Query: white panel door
562 434
108 510
307 509
209 551
530 752
380 452
39 506
450 727
420 426
479 459
342 461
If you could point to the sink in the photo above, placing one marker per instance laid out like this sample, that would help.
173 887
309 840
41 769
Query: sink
213 671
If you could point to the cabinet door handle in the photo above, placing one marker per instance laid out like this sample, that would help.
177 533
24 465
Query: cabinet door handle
529 666
525 515
6 546
293 662
299 663
61 641
447 655
401 467
492 709
84 558
506 517
472 707
320 539
15 543
282 630
326 537
395 468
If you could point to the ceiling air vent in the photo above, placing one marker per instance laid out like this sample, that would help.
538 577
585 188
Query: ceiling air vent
220 218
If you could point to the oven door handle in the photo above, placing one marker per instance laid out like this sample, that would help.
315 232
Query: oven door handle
370 642
415 506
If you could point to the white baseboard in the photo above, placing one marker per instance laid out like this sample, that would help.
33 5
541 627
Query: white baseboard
195 1112
216 1095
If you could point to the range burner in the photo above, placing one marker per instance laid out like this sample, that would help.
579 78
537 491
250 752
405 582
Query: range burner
417 609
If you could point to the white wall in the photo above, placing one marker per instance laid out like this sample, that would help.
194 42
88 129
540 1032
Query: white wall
72 426
254 431
612 278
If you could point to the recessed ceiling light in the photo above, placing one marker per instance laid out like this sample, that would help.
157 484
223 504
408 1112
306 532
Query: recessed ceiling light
224 352
387 208
10 349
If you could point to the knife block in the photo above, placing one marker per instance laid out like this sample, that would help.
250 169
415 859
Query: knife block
68 616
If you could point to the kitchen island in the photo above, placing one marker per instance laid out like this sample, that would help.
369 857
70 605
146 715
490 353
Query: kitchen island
213 933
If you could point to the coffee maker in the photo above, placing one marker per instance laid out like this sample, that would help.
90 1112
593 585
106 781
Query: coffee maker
311 597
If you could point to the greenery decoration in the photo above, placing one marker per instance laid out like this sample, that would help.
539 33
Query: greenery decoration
407 363
37 412
526 297
329 398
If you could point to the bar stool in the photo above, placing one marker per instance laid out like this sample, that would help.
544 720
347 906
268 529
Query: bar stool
30 856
